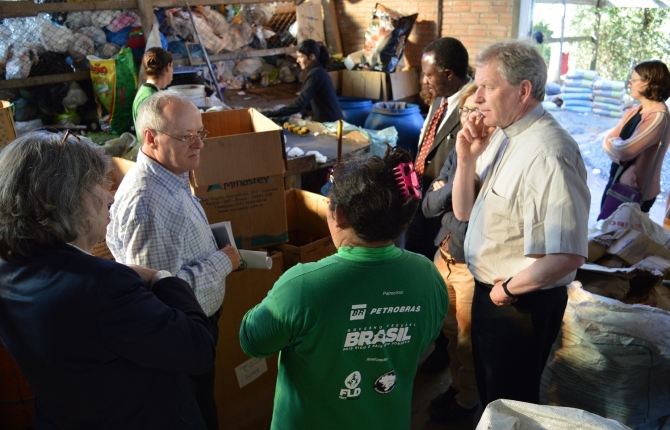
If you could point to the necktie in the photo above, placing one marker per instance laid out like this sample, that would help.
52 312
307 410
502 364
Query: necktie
428 139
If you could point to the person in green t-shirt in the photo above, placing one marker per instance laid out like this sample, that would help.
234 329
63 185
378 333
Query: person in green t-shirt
350 328
158 64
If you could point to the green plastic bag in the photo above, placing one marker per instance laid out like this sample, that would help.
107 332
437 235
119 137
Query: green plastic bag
114 84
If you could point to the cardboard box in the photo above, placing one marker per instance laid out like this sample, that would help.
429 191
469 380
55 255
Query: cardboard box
633 246
336 77
241 176
308 236
7 129
244 387
120 167
380 86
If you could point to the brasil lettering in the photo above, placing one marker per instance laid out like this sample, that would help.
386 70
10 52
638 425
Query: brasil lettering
395 336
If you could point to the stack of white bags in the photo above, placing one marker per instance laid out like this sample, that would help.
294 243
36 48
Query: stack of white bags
608 97
577 91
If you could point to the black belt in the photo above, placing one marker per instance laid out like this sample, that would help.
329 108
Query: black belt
489 287
483 285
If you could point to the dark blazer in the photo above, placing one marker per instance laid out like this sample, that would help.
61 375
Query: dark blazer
98 349
445 141
421 231
319 94
438 203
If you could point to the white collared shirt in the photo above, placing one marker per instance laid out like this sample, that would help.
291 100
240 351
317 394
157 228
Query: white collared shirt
534 201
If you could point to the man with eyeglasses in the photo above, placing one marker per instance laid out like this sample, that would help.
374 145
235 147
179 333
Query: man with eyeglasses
156 222
445 72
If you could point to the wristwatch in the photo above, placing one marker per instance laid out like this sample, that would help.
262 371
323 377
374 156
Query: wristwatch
161 274
504 285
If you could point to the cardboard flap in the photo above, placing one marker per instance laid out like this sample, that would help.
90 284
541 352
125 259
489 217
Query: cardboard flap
404 84
228 123
260 122
307 212
363 84
247 156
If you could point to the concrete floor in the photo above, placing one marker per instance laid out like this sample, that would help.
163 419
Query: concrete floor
427 387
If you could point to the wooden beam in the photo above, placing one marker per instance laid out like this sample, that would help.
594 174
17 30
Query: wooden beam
238 55
333 41
579 2
44 80
306 163
146 12
180 3
15 9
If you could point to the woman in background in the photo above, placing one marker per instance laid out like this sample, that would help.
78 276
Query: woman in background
158 65
317 89
633 144
460 400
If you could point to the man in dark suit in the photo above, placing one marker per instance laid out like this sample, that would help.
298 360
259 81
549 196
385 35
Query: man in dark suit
445 72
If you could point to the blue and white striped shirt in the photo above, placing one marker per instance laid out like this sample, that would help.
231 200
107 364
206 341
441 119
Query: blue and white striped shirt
156 222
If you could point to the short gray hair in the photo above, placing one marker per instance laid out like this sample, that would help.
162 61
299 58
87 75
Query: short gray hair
151 112
517 60
44 182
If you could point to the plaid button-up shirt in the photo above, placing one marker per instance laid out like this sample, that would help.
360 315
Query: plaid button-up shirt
156 222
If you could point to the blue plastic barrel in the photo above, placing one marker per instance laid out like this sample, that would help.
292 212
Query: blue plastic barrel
355 109
407 121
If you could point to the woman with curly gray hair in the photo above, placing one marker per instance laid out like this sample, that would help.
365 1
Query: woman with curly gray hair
89 333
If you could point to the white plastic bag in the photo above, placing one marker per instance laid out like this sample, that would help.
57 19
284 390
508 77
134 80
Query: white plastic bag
19 63
96 34
629 216
512 415
238 36
154 39
248 67
101 18
121 145
82 46
55 38
75 97
611 359
216 21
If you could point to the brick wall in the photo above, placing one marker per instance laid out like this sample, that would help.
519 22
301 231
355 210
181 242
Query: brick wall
476 23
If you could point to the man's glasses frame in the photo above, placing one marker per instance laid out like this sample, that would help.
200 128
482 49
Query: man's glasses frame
202 135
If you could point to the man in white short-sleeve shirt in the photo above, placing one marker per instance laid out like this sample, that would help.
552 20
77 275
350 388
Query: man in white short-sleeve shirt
527 231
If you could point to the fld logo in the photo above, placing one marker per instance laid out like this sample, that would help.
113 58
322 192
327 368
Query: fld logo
351 382
357 312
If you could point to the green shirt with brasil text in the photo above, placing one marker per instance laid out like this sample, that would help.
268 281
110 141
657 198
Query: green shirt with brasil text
351 329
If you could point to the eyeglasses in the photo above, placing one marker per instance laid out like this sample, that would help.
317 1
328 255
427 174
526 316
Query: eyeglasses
465 111
631 80
202 135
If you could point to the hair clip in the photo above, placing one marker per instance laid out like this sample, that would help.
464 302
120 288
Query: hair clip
407 181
